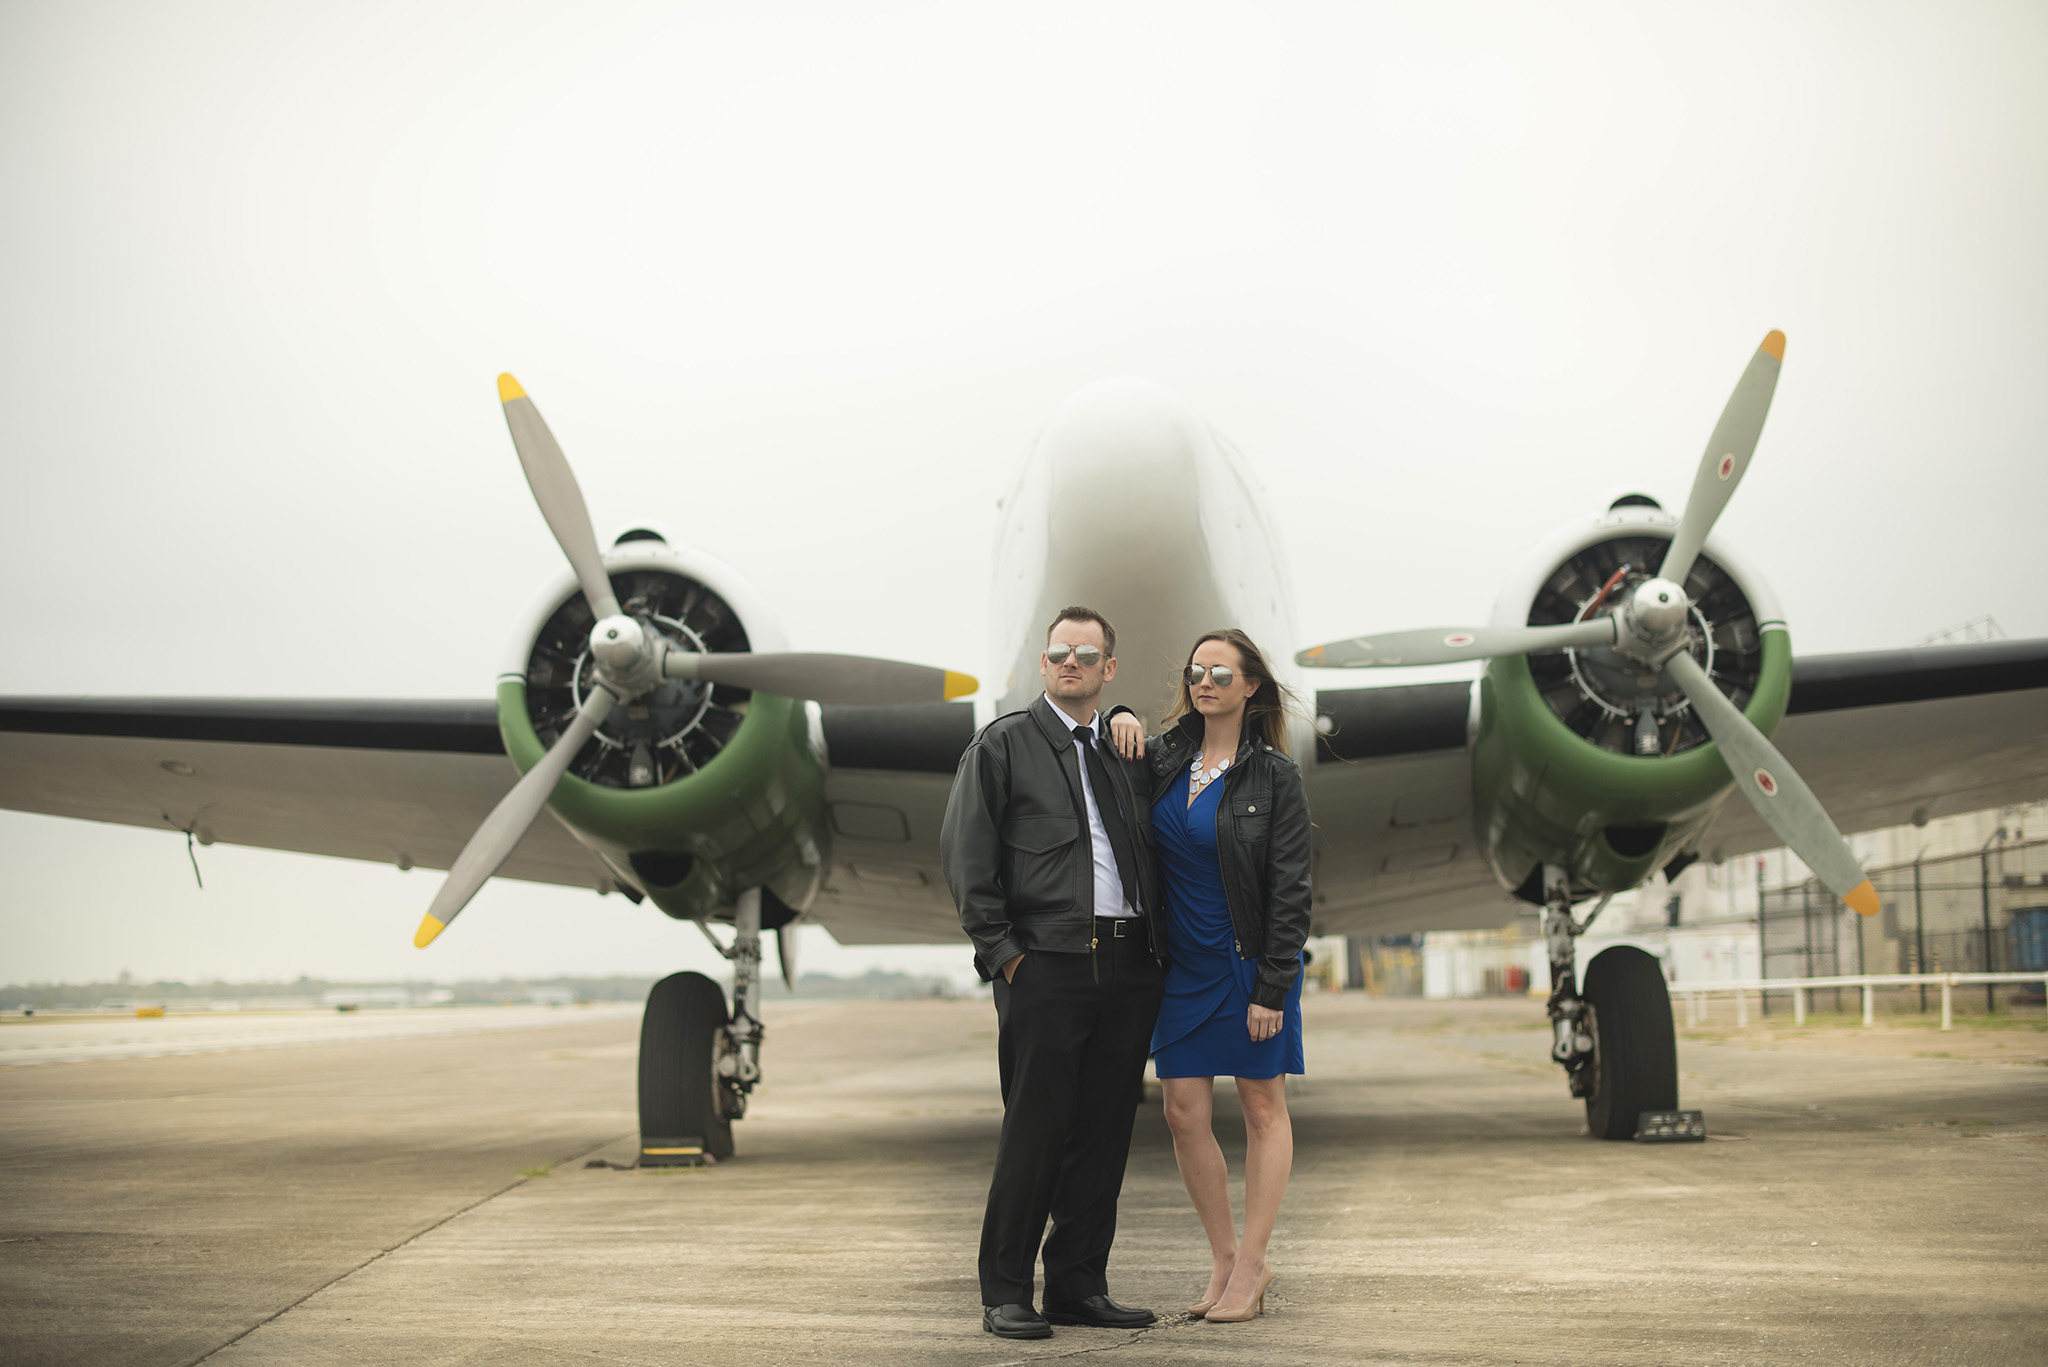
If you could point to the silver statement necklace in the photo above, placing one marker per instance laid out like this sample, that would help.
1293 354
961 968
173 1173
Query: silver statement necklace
1200 778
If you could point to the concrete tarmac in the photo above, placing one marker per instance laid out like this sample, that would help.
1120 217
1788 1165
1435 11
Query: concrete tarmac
27 1042
363 1202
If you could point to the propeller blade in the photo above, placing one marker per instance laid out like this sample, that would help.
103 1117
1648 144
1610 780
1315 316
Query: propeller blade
1447 645
556 491
1775 789
1726 458
495 839
822 678
785 952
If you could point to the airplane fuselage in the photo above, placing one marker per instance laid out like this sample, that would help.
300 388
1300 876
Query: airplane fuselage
1132 504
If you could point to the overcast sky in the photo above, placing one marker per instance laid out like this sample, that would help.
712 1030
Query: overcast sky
802 282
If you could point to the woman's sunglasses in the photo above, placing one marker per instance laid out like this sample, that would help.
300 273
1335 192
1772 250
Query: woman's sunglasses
1220 675
1086 656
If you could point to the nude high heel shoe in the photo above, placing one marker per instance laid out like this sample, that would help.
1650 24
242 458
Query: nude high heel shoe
1243 1313
1202 1306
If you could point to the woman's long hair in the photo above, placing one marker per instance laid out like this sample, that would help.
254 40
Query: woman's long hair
1265 712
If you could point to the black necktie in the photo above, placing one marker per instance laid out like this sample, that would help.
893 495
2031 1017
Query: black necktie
1112 815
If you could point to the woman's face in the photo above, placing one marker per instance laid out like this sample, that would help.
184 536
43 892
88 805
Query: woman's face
1210 698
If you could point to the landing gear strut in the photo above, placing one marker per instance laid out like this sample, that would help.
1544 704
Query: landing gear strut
1572 1041
741 1066
697 1064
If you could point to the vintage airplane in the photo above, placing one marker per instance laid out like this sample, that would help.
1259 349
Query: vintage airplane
1639 673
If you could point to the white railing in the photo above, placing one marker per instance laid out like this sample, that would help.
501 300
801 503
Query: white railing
1695 994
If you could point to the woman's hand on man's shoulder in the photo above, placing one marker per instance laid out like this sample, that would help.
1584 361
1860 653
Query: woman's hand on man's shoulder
1128 734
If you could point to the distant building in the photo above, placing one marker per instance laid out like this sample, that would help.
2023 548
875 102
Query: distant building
1978 871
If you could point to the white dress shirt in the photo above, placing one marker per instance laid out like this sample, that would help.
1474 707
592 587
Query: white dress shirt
1109 884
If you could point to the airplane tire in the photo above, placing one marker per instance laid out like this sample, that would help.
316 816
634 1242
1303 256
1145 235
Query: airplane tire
1635 1052
679 1039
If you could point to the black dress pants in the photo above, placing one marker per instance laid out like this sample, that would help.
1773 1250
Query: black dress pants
1072 1042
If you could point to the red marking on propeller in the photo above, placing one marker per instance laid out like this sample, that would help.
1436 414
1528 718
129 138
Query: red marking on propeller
1458 638
1727 466
1766 782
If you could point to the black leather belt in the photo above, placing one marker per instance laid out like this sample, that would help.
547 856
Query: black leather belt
1117 927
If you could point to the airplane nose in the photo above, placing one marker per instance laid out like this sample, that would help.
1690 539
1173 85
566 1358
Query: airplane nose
1125 527
1123 468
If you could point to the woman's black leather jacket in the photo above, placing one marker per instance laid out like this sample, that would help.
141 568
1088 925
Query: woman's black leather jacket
1262 844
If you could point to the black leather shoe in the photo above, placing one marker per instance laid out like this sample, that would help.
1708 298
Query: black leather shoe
1099 1312
1016 1322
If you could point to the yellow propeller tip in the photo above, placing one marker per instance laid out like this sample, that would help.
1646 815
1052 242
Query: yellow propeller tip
508 388
960 685
429 928
1863 898
1774 345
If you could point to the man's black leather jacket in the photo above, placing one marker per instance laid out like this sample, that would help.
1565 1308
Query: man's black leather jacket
1262 844
1015 843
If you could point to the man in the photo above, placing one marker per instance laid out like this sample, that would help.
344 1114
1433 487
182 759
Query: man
1047 852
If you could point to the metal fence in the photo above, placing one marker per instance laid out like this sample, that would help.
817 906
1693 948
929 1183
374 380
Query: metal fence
1985 911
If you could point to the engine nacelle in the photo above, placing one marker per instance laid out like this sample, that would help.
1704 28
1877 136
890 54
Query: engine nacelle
1584 759
690 792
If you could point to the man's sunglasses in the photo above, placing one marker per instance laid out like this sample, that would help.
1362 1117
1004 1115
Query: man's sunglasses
1086 656
1220 675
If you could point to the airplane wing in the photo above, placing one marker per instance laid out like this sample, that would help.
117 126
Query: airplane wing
401 783
892 768
1391 794
1883 738
407 782
1891 736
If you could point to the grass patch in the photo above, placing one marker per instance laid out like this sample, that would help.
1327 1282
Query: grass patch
536 1172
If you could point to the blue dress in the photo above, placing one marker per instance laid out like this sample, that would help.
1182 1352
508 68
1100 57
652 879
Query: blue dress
1201 1030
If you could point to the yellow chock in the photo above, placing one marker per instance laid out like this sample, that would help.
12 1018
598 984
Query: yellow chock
664 1152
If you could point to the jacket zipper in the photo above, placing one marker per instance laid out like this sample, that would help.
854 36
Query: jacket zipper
1222 810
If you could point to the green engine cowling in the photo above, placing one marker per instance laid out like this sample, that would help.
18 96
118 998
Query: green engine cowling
754 816
1542 794
690 795
1556 776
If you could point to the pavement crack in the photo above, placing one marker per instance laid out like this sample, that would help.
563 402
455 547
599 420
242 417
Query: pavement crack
1165 1322
1074 1353
384 1253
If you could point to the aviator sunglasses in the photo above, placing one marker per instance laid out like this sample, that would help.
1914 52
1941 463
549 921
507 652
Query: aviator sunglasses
1086 656
1220 675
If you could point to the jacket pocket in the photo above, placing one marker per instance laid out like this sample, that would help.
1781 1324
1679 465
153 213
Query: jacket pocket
1038 862
1251 817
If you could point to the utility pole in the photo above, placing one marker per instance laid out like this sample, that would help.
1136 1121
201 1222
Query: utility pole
1984 862
1919 932
1763 999
1806 924
1857 923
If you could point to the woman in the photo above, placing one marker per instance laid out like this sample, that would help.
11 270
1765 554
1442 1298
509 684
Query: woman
1232 832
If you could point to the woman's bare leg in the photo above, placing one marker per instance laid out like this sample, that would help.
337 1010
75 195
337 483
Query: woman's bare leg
1268 1159
1190 1103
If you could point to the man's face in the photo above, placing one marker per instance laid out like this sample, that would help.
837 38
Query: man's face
1070 681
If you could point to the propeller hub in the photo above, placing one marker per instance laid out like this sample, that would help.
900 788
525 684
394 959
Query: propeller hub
1657 610
626 660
